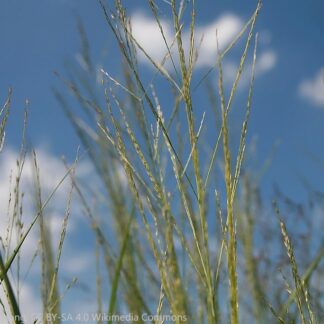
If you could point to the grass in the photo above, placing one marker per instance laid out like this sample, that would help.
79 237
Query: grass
170 248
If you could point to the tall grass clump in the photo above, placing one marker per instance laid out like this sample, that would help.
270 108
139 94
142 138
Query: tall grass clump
182 234
182 231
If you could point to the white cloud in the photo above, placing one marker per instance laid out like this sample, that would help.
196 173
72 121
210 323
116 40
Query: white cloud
313 89
227 27
264 63
147 33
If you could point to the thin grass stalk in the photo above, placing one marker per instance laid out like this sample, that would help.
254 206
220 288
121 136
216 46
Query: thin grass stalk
14 307
301 295
247 232
98 282
241 151
305 279
115 282
49 288
156 16
186 84
4 114
231 242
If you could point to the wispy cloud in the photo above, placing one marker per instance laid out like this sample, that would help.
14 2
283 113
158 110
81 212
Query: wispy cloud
313 89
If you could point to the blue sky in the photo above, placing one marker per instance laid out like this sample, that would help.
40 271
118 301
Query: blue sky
38 37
